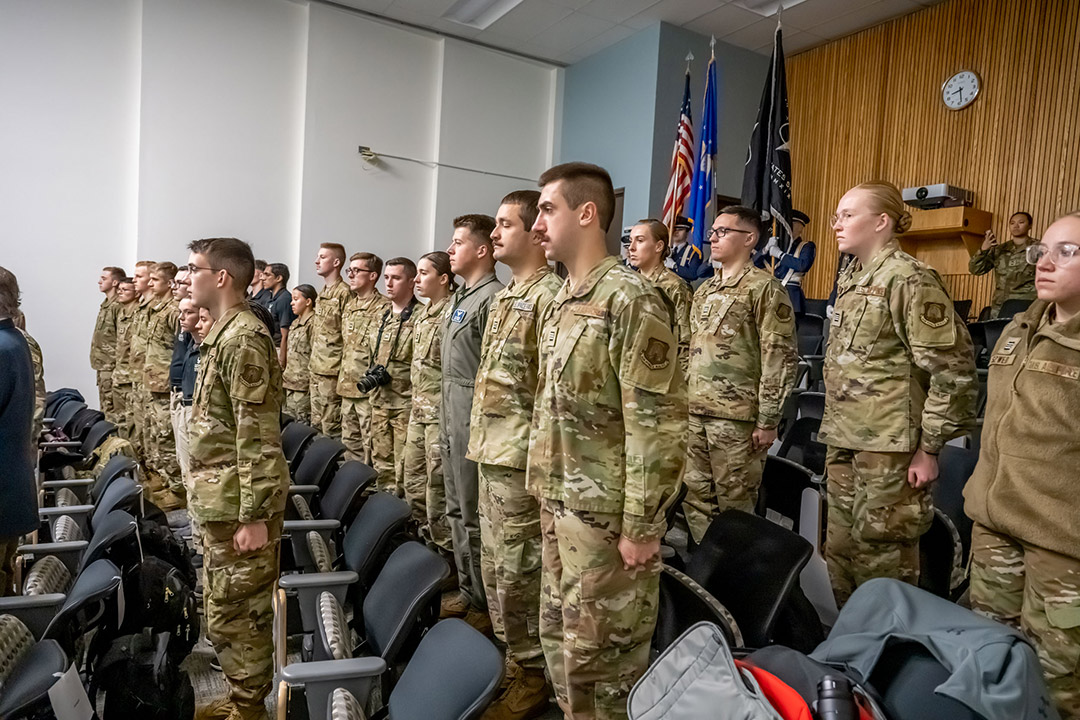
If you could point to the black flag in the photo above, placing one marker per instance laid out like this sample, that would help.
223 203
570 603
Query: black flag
767 177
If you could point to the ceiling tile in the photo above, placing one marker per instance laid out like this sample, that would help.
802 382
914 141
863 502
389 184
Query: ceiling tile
604 39
676 12
724 21
432 8
571 31
571 4
754 36
374 6
815 12
799 41
529 18
616 10
865 17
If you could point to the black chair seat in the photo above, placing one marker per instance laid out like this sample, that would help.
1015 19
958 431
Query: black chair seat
27 687
801 445
295 439
683 604
95 584
118 466
782 484
365 545
319 463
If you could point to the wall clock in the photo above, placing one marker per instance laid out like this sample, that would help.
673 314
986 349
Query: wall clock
961 89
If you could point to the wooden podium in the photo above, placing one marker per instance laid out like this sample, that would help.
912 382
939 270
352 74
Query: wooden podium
945 239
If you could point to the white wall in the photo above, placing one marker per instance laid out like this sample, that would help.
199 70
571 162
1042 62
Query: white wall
69 79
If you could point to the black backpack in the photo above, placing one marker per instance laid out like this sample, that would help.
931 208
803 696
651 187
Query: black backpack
158 597
141 679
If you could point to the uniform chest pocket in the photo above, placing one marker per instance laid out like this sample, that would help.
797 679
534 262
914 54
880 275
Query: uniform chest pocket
580 361
731 317
861 324
508 343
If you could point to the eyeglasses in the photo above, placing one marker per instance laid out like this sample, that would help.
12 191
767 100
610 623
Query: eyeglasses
1060 255
845 217
723 231
192 269
353 271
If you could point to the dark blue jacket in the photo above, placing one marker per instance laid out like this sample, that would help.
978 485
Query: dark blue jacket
18 499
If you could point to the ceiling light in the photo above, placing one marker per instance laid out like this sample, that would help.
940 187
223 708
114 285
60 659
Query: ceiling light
765 8
479 13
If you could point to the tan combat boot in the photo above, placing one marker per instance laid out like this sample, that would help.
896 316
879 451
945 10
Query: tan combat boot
527 696
219 709
481 620
454 604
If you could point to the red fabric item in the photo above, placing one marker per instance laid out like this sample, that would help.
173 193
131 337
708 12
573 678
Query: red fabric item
786 701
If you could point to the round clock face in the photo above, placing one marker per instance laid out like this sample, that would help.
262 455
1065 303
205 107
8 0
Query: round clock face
960 90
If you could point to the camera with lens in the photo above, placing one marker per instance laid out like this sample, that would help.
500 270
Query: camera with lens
376 376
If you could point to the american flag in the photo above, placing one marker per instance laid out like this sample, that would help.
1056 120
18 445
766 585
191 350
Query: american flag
682 163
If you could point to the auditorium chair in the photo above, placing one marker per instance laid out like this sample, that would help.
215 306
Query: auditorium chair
963 309
984 336
809 333
780 496
1013 307
88 490
57 455
329 514
121 494
801 445
682 604
295 439
319 463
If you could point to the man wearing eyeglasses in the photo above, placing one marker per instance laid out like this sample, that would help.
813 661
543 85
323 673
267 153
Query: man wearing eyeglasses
364 310
742 367
326 341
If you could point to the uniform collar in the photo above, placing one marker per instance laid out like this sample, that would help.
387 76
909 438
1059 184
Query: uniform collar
887 251
161 303
587 285
222 322
655 274
463 292
734 279
1066 334
7 324
515 289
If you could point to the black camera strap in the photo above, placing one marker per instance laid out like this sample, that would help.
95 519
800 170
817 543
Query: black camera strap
405 315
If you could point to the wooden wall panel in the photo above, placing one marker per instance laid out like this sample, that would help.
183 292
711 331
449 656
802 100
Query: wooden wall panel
869 107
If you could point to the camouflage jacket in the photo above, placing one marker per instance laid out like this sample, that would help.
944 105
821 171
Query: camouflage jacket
1014 277
398 393
38 361
140 323
161 326
610 425
502 405
298 354
426 372
103 343
360 314
122 366
899 367
326 333
463 331
742 354
1025 482
237 469
681 296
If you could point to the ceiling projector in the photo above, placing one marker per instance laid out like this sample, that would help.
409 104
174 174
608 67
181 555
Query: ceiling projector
938 195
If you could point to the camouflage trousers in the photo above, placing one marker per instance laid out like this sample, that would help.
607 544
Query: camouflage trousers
238 606
137 413
355 414
159 454
105 394
875 519
181 418
422 480
510 561
325 405
723 470
596 619
122 410
387 430
1037 591
298 404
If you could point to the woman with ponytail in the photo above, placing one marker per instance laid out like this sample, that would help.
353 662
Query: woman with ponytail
899 384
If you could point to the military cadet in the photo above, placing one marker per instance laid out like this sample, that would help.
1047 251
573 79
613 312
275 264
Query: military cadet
742 366
239 475
499 442
276 279
121 375
463 331
296 375
648 248
899 383
1014 277
423 477
606 450
790 265
103 343
326 344
259 291
1025 565
38 361
137 355
685 260
165 485
183 373
364 309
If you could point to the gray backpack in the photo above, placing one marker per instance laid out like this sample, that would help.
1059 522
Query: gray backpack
696 679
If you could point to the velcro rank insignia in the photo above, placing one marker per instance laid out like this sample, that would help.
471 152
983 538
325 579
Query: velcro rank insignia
783 312
933 314
524 305
251 375
655 354
1010 346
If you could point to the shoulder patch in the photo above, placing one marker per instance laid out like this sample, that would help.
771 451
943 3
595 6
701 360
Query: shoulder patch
251 375
655 354
783 312
933 314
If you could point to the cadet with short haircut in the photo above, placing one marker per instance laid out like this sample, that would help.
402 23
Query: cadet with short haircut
183 374
1025 546
296 375
742 367
647 251
137 356
280 304
463 332
606 450
239 475
163 472
103 343
364 309
499 442
1014 277
121 376
423 477
899 384
391 340
326 342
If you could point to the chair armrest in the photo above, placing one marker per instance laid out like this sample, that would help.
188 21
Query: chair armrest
321 581
305 526
305 490
55 444
35 611
70 553
332 670
72 510
72 483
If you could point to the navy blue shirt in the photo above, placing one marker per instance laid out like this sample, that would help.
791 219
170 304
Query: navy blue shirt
180 351
191 371
18 494
281 308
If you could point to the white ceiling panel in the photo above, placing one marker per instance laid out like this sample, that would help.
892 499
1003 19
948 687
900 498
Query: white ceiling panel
726 20
530 18
616 11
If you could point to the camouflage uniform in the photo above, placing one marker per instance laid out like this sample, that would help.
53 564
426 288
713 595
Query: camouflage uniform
136 359
326 358
1014 277
239 476
297 377
103 353
121 374
606 453
165 484
422 476
742 366
1025 546
681 296
463 332
38 362
502 411
899 375
390 404
355 410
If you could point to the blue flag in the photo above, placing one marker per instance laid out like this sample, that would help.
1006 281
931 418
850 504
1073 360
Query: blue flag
702 192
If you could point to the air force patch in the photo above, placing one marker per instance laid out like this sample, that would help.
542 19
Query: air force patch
251 375
655 354
933 314
458 317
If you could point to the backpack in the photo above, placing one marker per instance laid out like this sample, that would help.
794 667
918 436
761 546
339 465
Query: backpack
141 679
158 597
